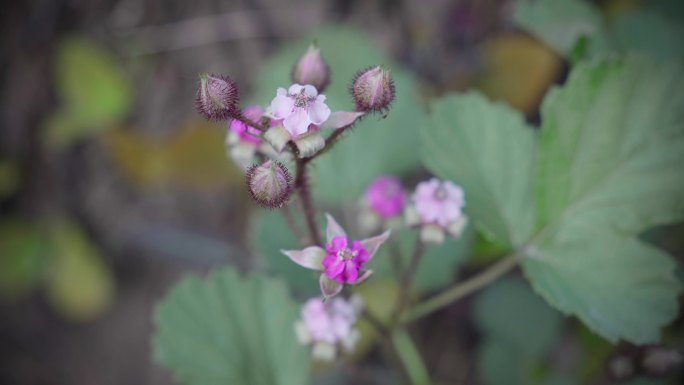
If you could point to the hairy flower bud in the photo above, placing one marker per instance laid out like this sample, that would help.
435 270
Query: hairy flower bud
312 69
372 89
269 184
217 97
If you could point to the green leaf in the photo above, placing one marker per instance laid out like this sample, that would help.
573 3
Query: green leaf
518 329
560 24
612 146
377 145
612 150
489 150
270 233
92 91
228 329
511 313
649 32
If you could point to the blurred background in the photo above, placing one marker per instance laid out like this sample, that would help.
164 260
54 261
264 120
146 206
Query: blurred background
112 187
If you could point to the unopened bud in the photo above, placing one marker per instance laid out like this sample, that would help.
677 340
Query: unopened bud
372 89
269 184
312 69
217 97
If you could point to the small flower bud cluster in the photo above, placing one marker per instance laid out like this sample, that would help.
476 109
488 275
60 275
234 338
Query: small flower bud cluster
329 326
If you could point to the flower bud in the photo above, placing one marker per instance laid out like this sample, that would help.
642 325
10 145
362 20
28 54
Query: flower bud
269 184
217 97
372 89
312 69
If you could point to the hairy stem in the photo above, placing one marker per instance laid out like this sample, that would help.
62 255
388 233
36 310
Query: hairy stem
302 186
463 289
410 357
259 126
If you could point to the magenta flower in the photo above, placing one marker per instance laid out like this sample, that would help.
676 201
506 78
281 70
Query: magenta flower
340 261
386 197
299 107
328 325
438 208
243 132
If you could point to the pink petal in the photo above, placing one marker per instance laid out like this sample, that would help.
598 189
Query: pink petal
373 244
351 272
281 106
311 257
334 268
297 123
329 288
338 243
333 229
361 253
319 112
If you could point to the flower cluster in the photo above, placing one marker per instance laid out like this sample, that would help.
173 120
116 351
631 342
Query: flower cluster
329 326
436 207
296 116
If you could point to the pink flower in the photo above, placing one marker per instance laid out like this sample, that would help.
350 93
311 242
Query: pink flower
343 263
299 107
438 207
438 202
386 197
339 262
243 132
328 324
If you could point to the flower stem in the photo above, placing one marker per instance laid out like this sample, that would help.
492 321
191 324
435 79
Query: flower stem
407 279
302 186
249 122
410 357
463 289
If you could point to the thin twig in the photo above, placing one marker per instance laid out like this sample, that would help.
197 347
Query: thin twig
302 186
407 279
463 289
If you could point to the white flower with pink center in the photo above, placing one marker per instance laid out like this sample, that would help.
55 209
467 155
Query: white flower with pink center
437 208
299 107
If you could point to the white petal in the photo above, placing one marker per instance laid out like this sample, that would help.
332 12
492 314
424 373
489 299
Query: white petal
373 244
457 227
319 112
333 229
281 106
294 89
310 91
297 123
309 144
310 257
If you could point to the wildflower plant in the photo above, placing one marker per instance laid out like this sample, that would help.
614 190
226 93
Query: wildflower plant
564 203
